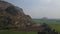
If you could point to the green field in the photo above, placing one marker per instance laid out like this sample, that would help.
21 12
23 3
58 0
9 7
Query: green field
54 24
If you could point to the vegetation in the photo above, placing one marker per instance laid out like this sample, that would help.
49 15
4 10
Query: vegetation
13 18
15 32
53 23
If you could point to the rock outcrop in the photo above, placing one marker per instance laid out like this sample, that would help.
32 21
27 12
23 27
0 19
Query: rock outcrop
13 16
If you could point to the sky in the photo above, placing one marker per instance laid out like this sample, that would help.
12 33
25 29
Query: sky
39 8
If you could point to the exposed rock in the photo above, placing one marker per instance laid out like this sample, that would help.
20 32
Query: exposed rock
13 15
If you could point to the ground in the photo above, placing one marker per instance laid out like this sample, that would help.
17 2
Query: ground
55 25
15 32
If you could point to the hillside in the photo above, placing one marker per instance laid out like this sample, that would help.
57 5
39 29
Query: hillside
13 16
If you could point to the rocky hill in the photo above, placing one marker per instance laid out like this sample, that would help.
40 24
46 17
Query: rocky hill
13 16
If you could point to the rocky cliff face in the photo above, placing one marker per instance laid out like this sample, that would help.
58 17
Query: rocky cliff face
13 15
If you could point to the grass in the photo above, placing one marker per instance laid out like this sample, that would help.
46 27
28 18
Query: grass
55 25
15 32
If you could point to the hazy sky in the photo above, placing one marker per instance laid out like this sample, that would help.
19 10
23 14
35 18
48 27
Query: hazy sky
39 8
